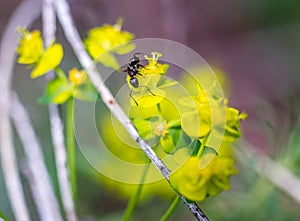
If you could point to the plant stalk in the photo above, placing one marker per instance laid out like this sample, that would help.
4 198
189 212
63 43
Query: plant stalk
70 144
171 209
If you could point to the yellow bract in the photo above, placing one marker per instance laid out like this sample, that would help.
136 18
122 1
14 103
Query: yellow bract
147 99
198 121
196 183
50 59
232 127
206 106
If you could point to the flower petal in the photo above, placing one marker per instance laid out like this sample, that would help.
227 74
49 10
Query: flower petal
49 60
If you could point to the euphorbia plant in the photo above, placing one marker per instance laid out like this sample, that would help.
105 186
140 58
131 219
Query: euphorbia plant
201 170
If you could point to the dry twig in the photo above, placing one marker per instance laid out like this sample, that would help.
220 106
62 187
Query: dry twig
57 133
20 17
38 177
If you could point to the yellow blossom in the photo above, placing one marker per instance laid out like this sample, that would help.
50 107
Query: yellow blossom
30 47
153 67
232 127
77 77
103 41
160 128
196 183
31 51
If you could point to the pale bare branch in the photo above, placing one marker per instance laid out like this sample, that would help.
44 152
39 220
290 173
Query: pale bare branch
20 17
277 174
39 180
57 133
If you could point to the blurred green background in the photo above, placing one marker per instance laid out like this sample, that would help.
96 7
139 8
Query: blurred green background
256 44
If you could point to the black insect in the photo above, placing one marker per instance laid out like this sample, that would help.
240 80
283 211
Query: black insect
133 69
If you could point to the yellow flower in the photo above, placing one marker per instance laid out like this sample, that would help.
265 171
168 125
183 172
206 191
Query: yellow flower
30 47
153 67
232 127
206 106
196 183
77 77
103 41
31 51
160 128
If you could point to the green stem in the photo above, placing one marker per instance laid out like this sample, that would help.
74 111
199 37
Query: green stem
70 143
202 147
134 199
174 123
171 209
60 73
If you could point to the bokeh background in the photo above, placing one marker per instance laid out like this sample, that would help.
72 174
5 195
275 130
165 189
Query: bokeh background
255 44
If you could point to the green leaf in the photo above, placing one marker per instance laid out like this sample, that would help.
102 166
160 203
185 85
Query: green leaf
183 141
108 60
174 122
49 60
86 92
144 128
231 135
167 143
167 83
124 49
194 147
208 150
175 133
181 155
57 91
148 99
3 216
193 125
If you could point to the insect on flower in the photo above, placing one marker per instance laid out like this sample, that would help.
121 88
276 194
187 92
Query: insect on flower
133 69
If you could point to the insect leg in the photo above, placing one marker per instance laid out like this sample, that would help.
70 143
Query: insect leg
148 89
134 55
130 94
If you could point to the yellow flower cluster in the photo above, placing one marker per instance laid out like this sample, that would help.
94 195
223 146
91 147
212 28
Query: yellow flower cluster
31 51
204 106
196 183
102 42
207 169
